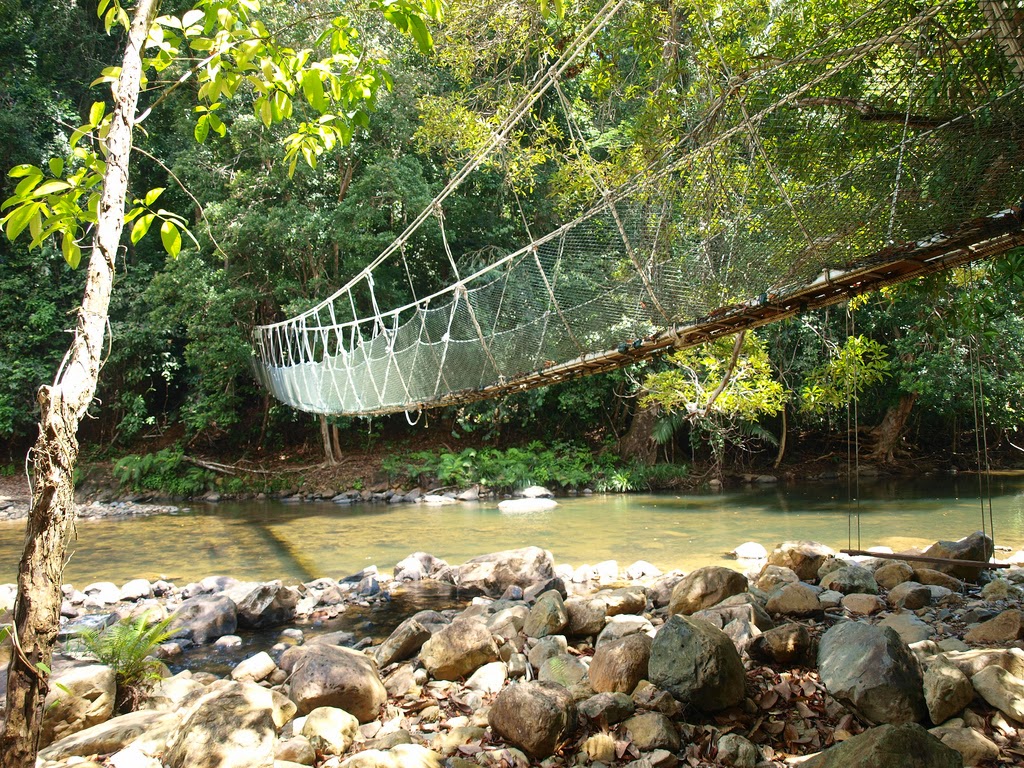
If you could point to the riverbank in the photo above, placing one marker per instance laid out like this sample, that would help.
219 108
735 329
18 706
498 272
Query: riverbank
807 653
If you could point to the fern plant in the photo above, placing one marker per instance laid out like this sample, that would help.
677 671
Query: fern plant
125 647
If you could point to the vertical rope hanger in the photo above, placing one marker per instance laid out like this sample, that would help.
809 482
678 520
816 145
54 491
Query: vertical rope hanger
981 430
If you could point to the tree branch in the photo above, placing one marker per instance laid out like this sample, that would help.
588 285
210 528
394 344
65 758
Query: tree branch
736 347
869 112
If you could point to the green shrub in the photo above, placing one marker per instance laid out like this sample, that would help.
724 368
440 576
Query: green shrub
125 647
165 471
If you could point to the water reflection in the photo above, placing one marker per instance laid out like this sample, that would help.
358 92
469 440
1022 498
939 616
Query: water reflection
263 540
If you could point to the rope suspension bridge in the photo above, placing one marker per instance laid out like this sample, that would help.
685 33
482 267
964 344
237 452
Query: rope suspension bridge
872 156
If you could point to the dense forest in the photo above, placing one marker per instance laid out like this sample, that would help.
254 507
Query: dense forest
914 370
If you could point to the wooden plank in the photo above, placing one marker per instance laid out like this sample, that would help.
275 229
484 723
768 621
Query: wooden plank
925 559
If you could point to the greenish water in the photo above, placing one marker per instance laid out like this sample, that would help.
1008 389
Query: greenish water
264 540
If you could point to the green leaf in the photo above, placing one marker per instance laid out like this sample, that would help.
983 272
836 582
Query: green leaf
72 253
313 88
141 227
202 129
56 166
420 34
96 112
192 17
266 112
153 194
18 219
23 170
171 238
50 187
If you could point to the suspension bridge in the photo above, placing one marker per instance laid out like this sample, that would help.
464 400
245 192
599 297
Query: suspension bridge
872 156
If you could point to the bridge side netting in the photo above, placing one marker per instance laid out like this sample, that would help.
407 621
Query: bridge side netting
816 162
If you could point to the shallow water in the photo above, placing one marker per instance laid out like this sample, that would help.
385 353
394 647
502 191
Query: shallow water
272 539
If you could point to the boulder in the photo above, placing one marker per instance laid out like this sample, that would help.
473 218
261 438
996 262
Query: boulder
567 671
863 605
933 578
546 648
628 600
332 676
458 649
536 492
737 752
977 546
535 716
204 618
1005 628
871 670
892 573
547 617
802 557
495 572
151 726
743 607
797 599
418 565
697 663
230 727
268 605
705 587
1002 690
295 750
652 730
255 668
136 589
974 748
849 580
786 645
909 627
947 691
973 661
910 595
330 730
619 627
489 679
398 756
750 550
80 696
907 745
404 643
618 666
586 616
772 576
604 709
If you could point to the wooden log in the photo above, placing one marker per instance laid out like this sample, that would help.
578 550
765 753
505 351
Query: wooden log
925 559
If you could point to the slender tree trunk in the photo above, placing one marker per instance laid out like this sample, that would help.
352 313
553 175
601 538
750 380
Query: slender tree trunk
891 428
325 439
63 405
782 439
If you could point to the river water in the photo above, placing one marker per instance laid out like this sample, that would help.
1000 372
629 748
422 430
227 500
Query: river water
301 541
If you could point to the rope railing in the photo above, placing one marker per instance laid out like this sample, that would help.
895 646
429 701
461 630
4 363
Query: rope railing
724 227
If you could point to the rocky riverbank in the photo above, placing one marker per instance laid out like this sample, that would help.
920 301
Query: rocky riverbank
879 662
15 501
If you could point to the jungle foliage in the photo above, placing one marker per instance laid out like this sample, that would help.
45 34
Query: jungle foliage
274 234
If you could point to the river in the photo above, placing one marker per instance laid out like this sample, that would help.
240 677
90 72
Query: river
301 541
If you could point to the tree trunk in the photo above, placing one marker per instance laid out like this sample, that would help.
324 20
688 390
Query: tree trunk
51 519
325 439
891 428
638 443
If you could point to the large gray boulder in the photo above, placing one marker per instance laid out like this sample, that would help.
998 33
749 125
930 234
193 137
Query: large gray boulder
697 663
977 546
204 618
706 587
850 580
332 676
496 572
534 716
80 696
802 557
586 616
873 671
152 727
458 649
229 727
268 605
889 746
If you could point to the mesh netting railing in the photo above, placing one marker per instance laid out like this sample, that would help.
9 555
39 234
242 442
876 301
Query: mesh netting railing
900 125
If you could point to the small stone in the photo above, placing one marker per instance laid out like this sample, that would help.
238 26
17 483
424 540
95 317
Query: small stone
255 668
600 747
862 604
891 574
738 752
797 599
910 595
330 730
652 730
